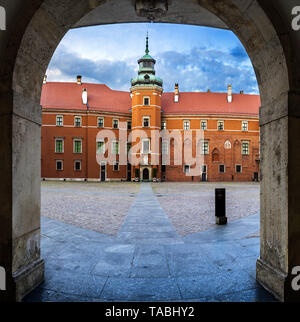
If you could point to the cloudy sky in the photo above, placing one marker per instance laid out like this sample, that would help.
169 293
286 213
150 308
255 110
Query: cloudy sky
198 58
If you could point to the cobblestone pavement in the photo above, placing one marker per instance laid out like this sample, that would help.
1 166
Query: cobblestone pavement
149 261
100 207
191 206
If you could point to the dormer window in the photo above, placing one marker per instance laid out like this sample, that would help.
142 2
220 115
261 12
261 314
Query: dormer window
146 100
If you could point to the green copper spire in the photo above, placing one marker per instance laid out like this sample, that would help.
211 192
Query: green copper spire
146 73
147 44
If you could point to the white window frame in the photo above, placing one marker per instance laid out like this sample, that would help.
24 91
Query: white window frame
114 150
79 140
245 122
146 140
220 168
97 150
79 117
75 165
114 164
115 128
100 118
202 147
164 125
146 118
63 145
189 123
62 165
241 168
245 142
189 168
223 125
144 98
62 120
205 122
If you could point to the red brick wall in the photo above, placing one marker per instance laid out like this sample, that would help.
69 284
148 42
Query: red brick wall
88 132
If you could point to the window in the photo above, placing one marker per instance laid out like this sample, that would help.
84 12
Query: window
163 168
186 125
77 121
238 168
205 147
146 146
59 146
77 146
77 165
245 148
222 168
100 122
100 147
163 125
220 125
115 147
204 169
116 166
146 100
59 165
186 169
129 125
245 126
146 121
164 147
203 125
115 124
59 120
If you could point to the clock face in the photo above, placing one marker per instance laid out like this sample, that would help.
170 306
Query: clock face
227 145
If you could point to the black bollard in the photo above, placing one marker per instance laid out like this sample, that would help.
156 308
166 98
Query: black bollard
220 206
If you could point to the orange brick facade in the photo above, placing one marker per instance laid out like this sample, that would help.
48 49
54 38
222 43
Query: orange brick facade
76 146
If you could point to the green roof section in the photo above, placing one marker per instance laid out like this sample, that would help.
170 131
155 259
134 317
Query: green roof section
146 73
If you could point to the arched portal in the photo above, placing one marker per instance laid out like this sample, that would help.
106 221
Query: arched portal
35 30
146 174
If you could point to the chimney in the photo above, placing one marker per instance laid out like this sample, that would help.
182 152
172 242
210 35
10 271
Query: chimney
229 93
84 97
208 91
45 79
241 92
176 93
79 77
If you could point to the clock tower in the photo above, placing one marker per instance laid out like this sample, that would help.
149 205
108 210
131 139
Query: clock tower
146 93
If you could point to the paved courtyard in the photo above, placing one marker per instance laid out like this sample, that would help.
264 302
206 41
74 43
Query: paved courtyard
103 207
147 260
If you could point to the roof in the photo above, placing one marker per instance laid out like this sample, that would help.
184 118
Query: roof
69 96
102 98
211 103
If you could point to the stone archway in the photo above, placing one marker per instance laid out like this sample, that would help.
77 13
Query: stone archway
36 30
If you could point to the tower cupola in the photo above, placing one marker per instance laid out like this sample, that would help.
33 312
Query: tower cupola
146 73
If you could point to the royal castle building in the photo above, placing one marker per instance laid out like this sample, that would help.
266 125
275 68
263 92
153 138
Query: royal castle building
91 132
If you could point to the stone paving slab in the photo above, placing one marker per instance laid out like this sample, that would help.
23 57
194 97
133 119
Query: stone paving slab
148 261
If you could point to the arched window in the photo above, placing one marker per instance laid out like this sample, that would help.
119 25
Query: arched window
215 155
